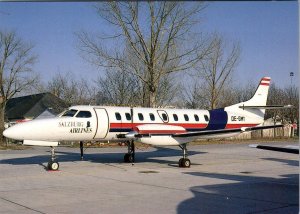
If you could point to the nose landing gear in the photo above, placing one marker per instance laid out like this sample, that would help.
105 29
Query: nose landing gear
184 162
53 163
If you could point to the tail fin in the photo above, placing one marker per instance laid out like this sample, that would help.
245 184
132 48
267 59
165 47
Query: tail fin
257 102
261 95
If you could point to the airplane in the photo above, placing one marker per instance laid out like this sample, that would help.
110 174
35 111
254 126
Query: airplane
154 126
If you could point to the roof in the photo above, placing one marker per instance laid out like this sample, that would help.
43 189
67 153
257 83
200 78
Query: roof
32 106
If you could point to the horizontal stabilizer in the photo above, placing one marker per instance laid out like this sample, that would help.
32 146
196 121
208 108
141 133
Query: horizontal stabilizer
266 107
247 129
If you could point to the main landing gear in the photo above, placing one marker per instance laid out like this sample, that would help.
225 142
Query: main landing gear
129 157
53 164
81 150
184 162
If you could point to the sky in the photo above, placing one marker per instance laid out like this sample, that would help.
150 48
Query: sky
268 33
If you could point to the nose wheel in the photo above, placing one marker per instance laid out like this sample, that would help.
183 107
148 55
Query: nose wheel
184 162
53 163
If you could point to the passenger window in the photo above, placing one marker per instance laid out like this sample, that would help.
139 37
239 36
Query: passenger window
69 113
128 116
196 117
206 118
141 117
118 116
175 117
84 114
152 117
186 117
164 116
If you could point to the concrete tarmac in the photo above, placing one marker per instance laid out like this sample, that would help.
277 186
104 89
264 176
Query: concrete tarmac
226 178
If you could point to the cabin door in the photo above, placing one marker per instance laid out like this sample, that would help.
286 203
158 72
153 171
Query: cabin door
102 123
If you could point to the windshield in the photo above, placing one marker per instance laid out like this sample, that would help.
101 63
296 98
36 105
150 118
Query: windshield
69 113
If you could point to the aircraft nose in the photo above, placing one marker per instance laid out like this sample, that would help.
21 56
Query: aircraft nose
10 133
19 131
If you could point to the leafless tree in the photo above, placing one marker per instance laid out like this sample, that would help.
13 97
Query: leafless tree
16 75
216 71
245 93
157 36
118 89
72 91
125 89
291 96
193 96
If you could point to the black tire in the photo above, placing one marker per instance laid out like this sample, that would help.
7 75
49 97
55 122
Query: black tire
130 159
186 163
126 158
53 165
180 162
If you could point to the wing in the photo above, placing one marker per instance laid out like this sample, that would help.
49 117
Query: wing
289 149
223 131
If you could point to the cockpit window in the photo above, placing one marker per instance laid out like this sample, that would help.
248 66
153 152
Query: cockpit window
70 113
84 114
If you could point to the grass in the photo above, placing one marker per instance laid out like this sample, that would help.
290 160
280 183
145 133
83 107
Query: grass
12 146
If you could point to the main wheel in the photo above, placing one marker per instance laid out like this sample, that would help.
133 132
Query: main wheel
128 158
180 162
53 165
186 163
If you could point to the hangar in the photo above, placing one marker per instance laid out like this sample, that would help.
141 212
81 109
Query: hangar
33 106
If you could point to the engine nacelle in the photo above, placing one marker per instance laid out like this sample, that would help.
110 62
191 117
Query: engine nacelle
39 143
159 134
158 140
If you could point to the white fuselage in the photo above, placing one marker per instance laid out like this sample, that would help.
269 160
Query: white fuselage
100 123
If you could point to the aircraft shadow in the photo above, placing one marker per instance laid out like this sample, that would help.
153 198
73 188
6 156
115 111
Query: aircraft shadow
288 162
246 194
140 156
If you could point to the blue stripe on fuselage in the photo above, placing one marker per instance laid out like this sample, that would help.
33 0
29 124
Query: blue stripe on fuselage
218 119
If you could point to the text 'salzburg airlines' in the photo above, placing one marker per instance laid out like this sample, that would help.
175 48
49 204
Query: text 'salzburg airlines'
163 127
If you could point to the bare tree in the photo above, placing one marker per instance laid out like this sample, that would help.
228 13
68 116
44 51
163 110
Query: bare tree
71 90
157 36
118 89
216 70
291 96
16 61
125 89
194 97
245 93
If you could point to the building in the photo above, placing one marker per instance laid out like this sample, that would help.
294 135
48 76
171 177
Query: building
29 107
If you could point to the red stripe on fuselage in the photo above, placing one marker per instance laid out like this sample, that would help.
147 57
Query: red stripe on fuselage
184 125
234 126
266 79
267 84
161 131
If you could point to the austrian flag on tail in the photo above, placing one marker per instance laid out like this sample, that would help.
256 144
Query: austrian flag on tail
265 81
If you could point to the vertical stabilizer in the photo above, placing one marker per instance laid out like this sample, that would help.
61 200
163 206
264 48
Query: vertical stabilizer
259 99
261 95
